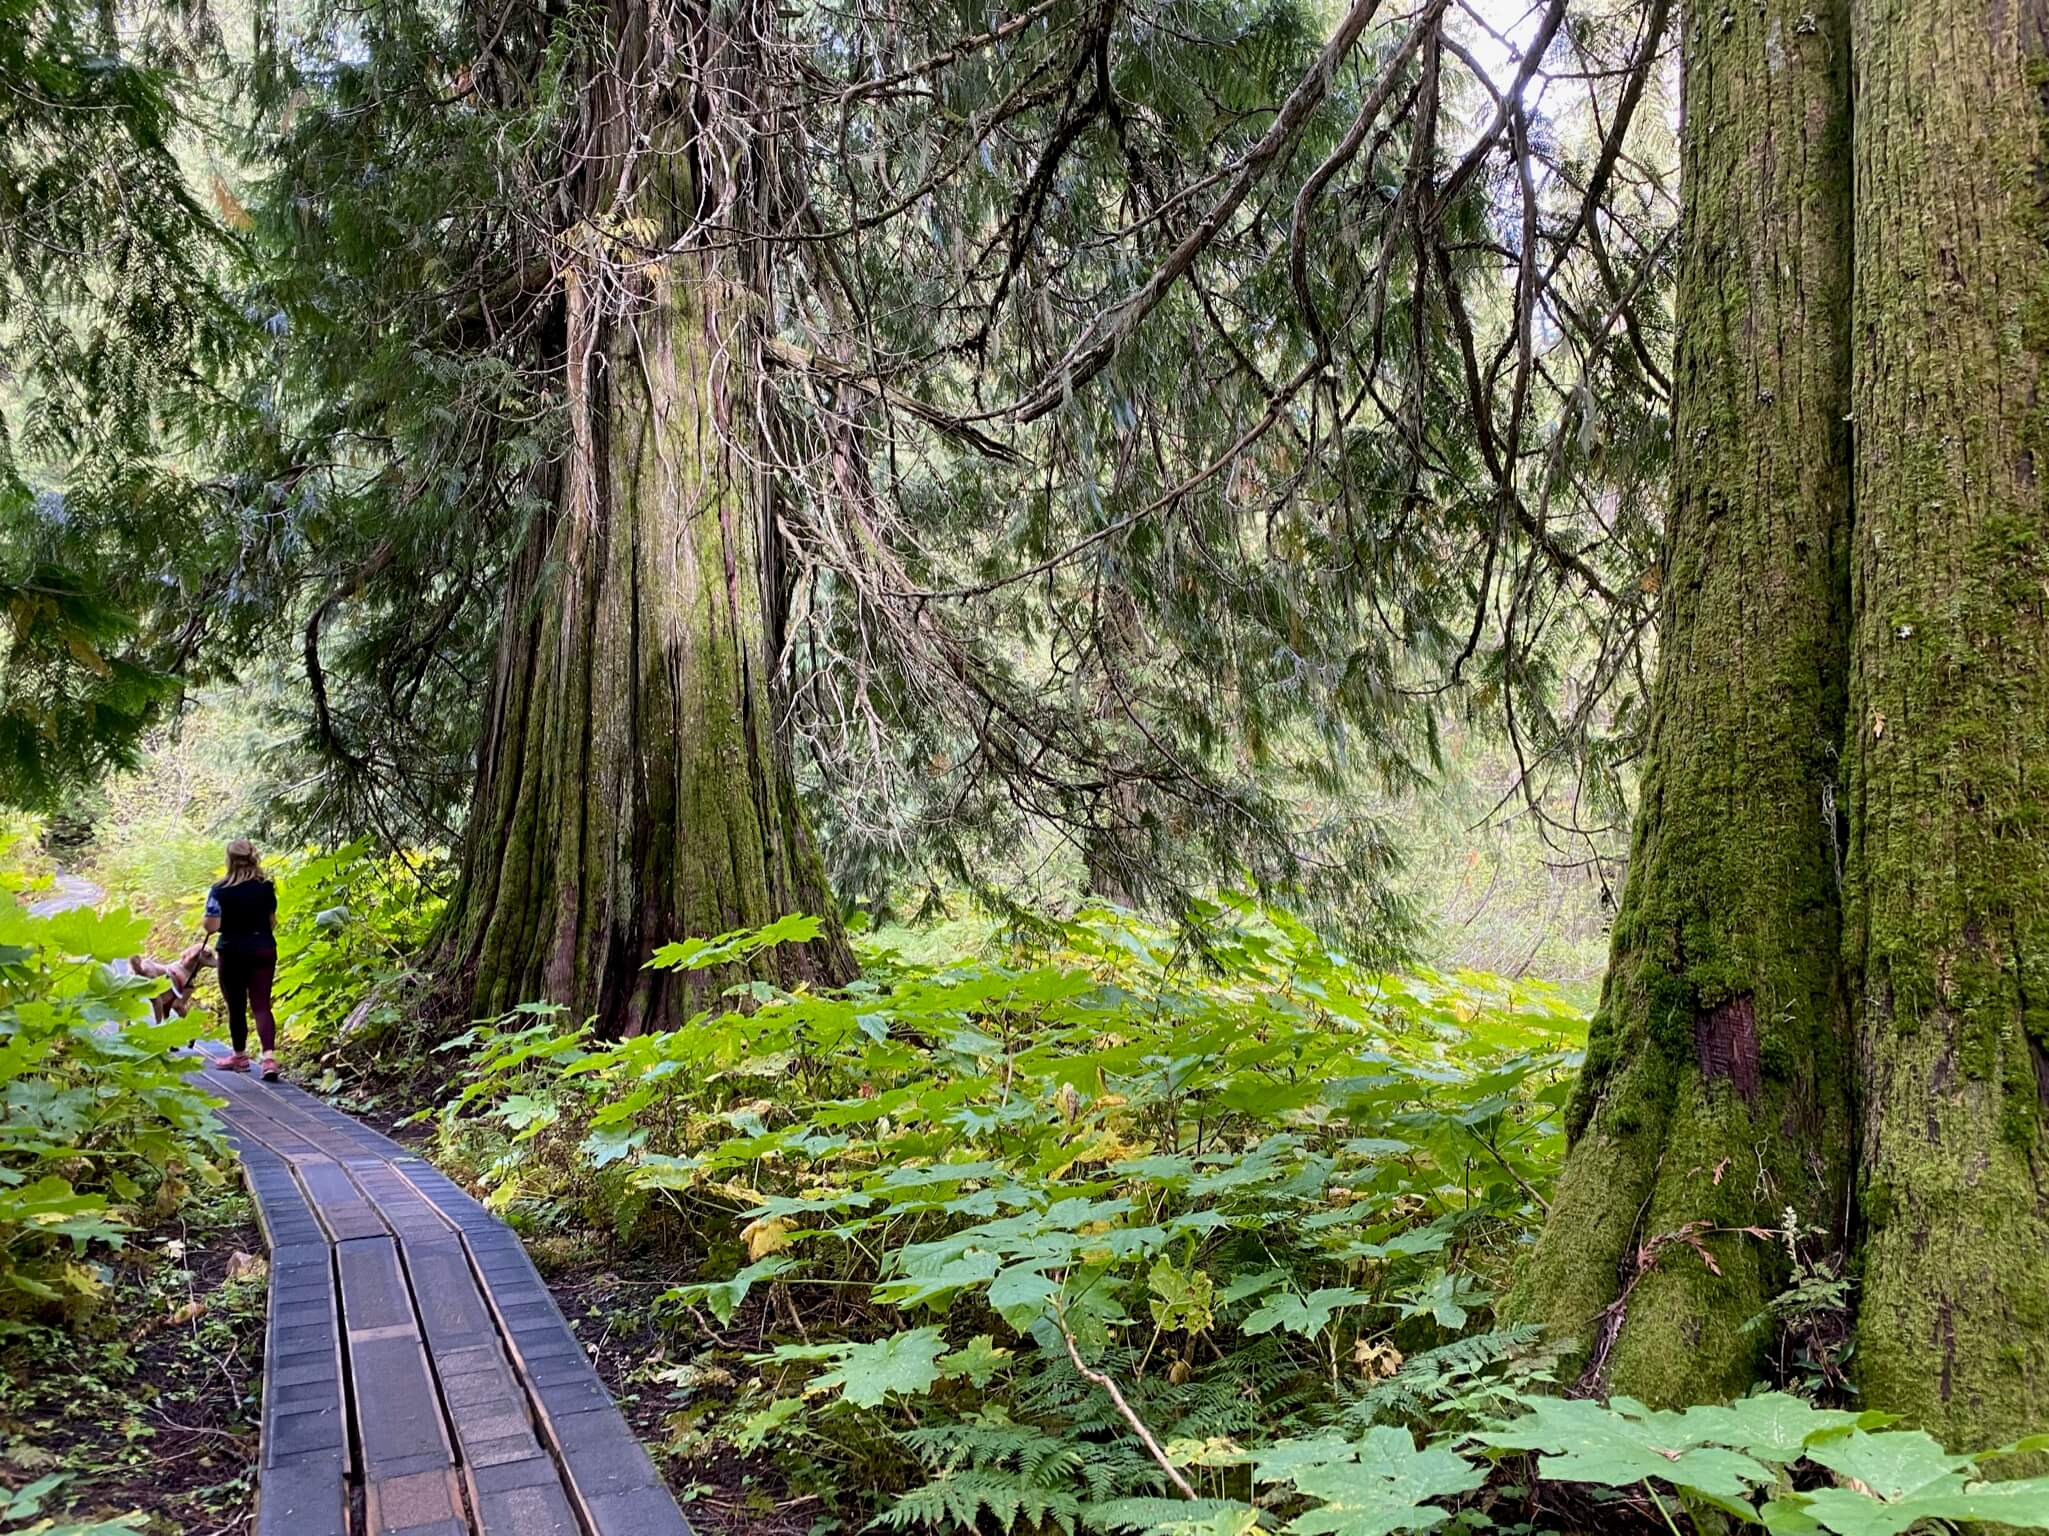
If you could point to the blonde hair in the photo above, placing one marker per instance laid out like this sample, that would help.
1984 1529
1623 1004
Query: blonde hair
243 865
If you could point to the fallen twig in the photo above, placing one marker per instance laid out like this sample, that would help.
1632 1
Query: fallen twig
1137 1424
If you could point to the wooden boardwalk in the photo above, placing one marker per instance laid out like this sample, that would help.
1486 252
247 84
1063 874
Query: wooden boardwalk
417 1377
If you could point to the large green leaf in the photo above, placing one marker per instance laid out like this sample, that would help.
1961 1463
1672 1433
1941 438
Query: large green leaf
727 948
1307 1315
1280 1461
1901 1478
905 1364
936 1287
1891 1465
1853 1512
1624 1443
1773 1426
724 1296
1388 1487
1020 1295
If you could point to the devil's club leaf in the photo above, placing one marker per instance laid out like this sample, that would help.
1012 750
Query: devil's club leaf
1387 1489
905 1363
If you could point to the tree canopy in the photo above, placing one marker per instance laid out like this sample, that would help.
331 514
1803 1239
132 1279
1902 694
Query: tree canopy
1176 413
123 339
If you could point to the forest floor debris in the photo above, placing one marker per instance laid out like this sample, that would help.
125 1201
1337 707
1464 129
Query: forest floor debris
147 1410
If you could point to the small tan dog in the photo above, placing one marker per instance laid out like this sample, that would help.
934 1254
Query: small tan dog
183 974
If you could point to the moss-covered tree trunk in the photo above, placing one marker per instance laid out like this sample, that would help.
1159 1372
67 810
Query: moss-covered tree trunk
632 788
1715 1093
1947 917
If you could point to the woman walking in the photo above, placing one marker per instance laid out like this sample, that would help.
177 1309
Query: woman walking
242 909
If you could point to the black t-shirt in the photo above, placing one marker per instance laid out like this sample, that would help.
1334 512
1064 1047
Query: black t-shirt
245 912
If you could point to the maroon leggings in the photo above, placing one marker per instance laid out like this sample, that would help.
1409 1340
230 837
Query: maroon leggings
245 983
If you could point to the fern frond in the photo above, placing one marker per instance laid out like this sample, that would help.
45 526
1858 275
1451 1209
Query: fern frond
957 1501
1146 1514
1428 1379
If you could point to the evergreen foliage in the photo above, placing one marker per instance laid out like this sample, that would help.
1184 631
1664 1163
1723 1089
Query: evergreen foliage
120 341
1174 600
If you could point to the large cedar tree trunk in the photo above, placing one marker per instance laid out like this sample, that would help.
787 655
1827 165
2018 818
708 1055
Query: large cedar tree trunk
1947 914
632 788
1715 1093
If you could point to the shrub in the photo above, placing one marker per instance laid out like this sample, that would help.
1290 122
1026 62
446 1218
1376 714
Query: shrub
103 1119
1227 1168
351 924
1190 1234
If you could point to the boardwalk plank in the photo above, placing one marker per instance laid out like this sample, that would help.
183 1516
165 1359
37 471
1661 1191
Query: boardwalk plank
408 1464
303 1496
303 1483
485 1402
336 1200
413 1347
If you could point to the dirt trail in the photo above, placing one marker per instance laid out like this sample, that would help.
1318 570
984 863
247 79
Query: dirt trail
70 893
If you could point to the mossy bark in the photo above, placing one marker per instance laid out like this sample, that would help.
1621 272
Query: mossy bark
1715 1093
1947 916
632 788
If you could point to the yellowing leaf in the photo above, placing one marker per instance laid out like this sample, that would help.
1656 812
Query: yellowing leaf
230 206
978 1360
1376 1360
86 656
766 1236
1183 1301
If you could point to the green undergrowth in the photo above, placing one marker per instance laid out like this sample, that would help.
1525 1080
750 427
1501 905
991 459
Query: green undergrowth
108 1123
131 1282
142 1417
1111 1229
106 1129
351 925
132 1287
